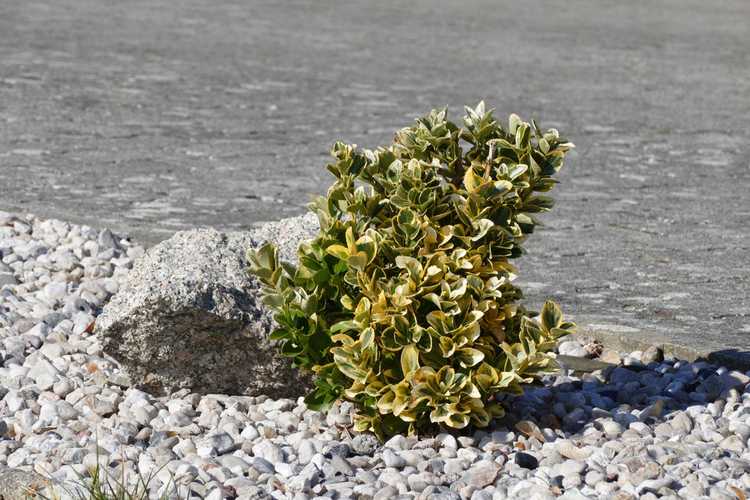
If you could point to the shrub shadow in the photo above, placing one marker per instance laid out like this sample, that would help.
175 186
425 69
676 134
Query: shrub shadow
650 394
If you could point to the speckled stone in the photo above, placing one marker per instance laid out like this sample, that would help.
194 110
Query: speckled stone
189 317
18 484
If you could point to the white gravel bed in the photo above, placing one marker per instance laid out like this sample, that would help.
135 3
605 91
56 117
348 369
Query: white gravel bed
659 429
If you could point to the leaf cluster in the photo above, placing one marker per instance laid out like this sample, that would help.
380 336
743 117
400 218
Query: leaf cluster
404 302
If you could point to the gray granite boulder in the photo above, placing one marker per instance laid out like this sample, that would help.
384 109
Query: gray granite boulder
189 316
16 484
287 234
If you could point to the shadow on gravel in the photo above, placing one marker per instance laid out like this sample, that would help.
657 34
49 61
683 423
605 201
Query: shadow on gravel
625 394
643 421
732 358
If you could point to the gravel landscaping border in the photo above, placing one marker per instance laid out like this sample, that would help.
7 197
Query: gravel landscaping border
622 426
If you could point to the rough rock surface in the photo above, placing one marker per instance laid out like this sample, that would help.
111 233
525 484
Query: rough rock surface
286 234
18 484
189 317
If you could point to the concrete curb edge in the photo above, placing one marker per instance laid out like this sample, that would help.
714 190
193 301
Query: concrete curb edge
731 358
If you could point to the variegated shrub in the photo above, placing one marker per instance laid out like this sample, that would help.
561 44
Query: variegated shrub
404 303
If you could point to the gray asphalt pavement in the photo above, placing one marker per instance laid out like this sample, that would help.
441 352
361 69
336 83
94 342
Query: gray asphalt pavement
155 116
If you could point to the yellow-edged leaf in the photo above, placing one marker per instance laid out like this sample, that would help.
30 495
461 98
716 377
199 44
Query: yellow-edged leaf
409 359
